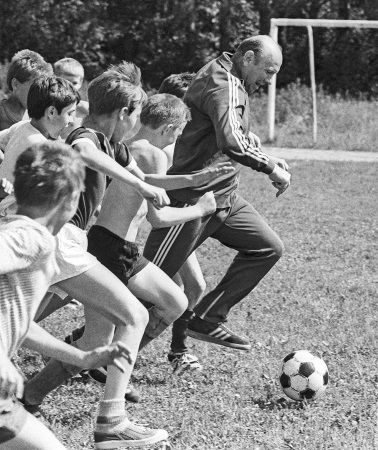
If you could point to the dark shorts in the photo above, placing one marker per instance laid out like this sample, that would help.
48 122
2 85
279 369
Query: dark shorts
12 418
121 257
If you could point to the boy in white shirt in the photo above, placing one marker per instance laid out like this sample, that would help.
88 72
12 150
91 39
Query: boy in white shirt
48 181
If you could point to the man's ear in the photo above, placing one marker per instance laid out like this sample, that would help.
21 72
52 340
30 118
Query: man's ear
248 57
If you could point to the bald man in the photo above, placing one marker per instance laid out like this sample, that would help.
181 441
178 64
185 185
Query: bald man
220 131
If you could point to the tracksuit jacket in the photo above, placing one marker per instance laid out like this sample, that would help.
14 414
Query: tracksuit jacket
218 132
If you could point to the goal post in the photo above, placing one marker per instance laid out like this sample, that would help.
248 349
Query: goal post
308 23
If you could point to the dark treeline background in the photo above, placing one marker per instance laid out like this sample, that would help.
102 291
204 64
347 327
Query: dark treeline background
171 36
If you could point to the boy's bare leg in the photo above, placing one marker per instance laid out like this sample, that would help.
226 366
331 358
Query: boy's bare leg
193 280
154 286
33 436
102 293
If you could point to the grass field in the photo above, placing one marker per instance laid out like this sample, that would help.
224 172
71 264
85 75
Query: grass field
343 123
321 296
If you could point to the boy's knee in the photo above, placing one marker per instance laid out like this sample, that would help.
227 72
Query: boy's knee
178 304
139 317
278 248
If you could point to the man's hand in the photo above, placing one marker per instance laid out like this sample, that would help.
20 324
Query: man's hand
155 195
107 355
281 179
280 162
6 188
255 140
11 381
207 203
211 172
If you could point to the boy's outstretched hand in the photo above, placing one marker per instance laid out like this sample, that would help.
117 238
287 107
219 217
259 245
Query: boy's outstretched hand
11 381
155 195
211 172
107 355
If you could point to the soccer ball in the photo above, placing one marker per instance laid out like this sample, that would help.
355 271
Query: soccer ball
303 376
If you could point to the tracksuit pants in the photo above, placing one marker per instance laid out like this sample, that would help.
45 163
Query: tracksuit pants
239 227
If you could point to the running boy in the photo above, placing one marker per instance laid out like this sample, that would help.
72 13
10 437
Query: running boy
47 184
70 69
112 238
51 104
24 68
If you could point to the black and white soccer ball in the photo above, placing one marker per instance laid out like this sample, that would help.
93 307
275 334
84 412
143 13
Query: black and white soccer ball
303 376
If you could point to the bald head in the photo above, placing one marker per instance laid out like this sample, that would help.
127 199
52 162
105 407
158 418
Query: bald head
259 45
257 60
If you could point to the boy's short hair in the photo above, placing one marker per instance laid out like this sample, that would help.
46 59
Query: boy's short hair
111 91
46 173
50 91
176 84
129 70
27 64
163 109
68 66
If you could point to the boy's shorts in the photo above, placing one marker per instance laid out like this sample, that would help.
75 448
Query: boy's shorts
121 257
12 418
71 254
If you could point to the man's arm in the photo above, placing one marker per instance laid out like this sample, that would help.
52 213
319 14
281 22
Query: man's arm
43 342
226 109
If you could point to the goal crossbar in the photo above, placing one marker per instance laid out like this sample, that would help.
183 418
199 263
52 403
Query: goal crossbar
309 23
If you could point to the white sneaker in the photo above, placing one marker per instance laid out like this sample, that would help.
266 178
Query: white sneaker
183 362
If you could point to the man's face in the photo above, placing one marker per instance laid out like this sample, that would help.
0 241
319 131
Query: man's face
258 71
60 121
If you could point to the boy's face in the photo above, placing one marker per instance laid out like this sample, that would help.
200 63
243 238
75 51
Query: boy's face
75 78
21 90
173 133
128 126
58 122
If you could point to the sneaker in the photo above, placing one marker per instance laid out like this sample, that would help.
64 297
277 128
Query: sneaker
99 376
216 333
133 435
182 362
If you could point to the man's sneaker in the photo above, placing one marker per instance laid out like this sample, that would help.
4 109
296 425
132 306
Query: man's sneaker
182 362
99 376
216 333
132 435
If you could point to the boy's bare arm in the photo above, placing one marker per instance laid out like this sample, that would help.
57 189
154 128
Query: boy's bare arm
101 162
169 217
170 182
43 342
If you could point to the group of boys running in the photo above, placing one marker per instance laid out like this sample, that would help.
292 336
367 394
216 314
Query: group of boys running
125 142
